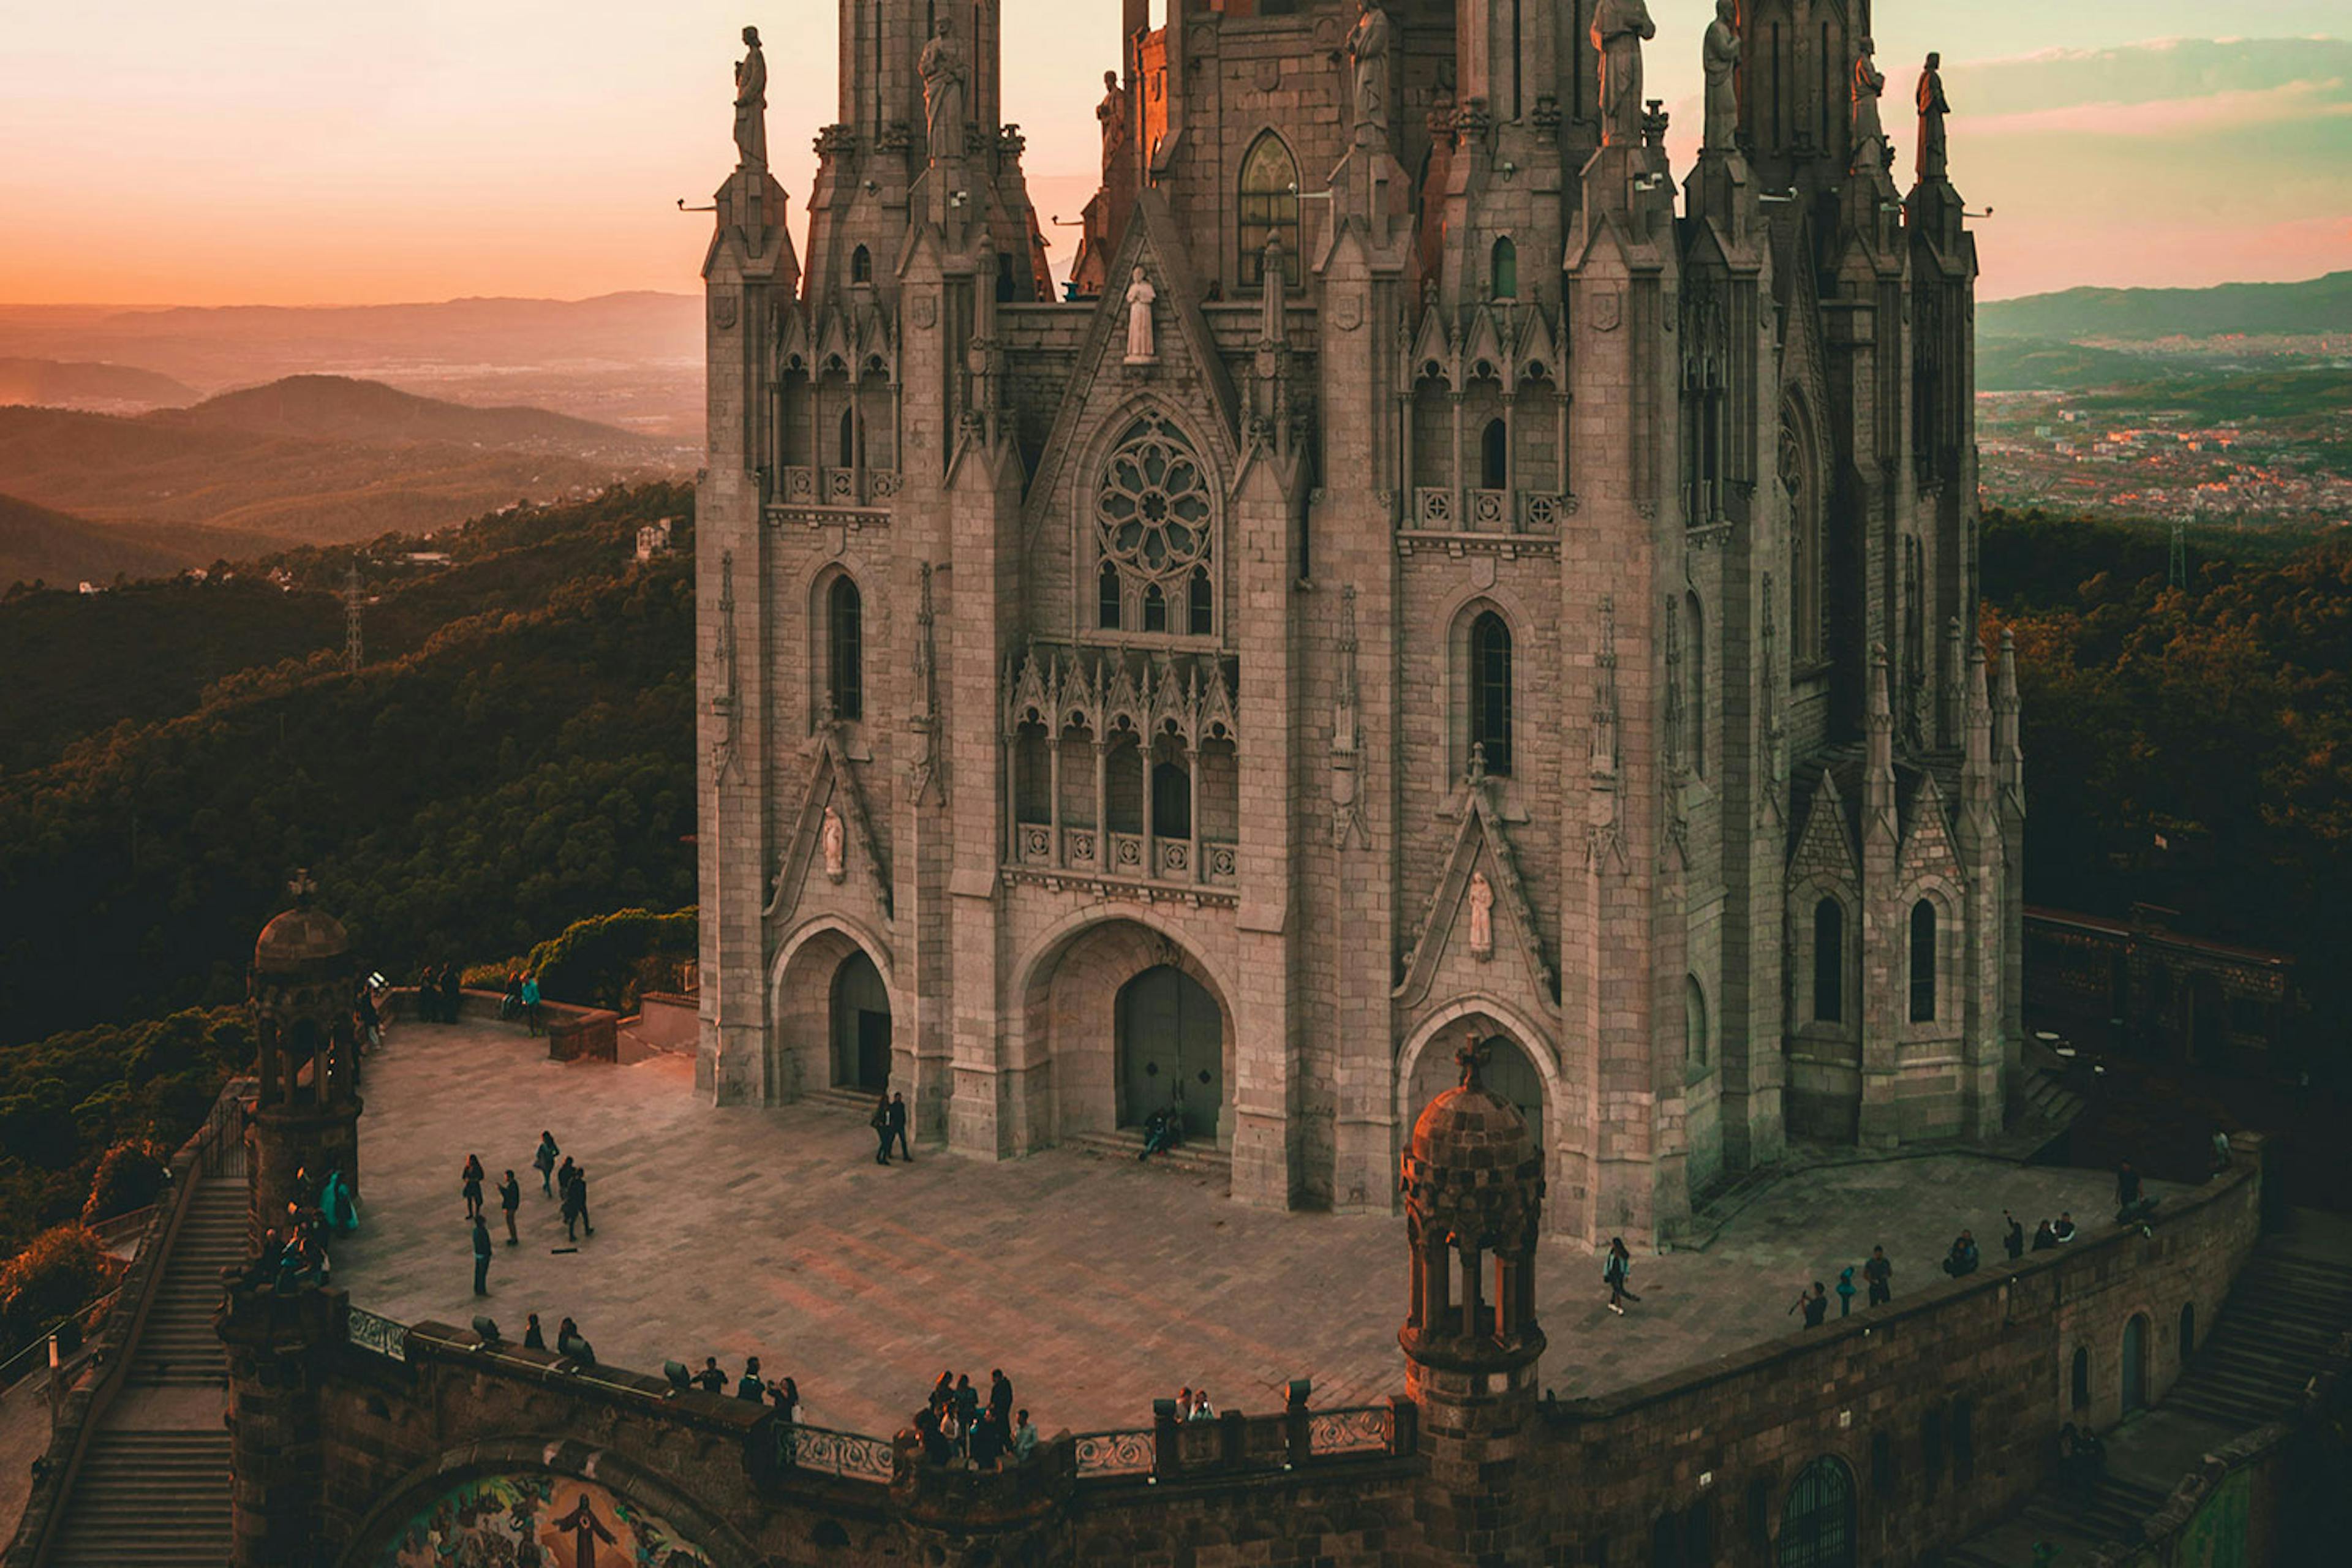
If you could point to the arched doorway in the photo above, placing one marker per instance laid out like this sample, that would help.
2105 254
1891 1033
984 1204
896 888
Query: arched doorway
1171 1050
1817 1522
860 1026
2135 1369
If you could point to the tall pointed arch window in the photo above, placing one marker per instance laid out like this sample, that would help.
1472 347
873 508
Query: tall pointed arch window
1505 271
1829 961
845 649
1923 962
1490 690
1269 209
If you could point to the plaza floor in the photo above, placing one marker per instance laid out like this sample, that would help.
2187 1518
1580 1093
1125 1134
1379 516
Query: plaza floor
1096 1283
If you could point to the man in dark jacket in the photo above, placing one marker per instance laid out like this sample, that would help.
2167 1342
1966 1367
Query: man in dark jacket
896 1127
481 1256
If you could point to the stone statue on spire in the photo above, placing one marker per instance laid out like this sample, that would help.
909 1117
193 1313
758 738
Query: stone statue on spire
1869 135
1719 58
945 75
751 103
1619 27
1112 113
1932 110
1367 49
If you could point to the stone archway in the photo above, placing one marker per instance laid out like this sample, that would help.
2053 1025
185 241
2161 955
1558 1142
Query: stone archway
831 1015
1102 982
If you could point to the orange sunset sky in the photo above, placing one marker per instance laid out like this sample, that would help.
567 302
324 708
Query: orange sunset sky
269 152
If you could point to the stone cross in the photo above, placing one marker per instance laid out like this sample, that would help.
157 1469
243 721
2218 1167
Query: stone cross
1472 1056
302 887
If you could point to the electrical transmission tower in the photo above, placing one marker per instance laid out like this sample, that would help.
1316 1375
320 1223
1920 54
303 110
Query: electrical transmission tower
352 648
2178 567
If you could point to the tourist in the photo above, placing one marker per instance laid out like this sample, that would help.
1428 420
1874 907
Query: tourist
880 1122
2126 1191
931 1429
563 1175
1024 1440
1000 1395
481 1256
2065 1229
2220 1148
2012 1239
1618 1272
469 1182
530 1003
896 1127
428 995
1879 1275
967 1403
1162 1130
452 985
542 1160
510 1199
1962 1259
749 1386
571 1343
1202 1409
1845 1292
337 1202
511 1005
1184 1403
951 1429
1814 1303
575 1204
943 1390
370 1022
2044 1238
787 1398
534 1338
710 1380
987 1445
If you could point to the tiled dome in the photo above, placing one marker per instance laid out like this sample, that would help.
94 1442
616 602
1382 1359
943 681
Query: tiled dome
1466 1129
300 939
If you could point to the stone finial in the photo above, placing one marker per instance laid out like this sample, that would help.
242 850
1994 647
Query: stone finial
1472 1057
302 888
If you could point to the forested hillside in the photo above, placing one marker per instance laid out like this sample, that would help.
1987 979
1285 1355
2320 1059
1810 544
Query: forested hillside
2188 747
529 762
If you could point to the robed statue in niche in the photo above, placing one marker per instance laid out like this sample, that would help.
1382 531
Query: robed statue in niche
751 103
1140 349
945 77
1368 47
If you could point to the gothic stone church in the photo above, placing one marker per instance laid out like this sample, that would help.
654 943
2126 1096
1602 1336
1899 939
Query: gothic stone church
1432 578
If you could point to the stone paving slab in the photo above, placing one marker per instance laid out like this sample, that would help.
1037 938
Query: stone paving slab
1096 1283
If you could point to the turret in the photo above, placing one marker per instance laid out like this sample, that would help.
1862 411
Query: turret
1474 1190
305 1122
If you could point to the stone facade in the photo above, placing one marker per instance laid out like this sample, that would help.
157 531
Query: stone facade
1549 611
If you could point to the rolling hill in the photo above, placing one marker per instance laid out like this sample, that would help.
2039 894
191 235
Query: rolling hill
37 544
318 459
90 385
2314 305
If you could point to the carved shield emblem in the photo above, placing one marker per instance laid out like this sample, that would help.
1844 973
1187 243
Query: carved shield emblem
1347 312
722 312
927 311
1605 309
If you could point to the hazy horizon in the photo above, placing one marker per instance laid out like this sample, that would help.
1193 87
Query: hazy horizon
253 152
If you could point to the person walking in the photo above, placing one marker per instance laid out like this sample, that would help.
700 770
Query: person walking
469 1182
896 1128
481 1256
1879 1275
880 1122
510 1199
575 1205
530 1003
1845 1292
542 1160
1617 1271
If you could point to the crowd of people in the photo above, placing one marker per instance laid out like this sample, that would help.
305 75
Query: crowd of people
295 1253
567 1182
957 1428
752 1386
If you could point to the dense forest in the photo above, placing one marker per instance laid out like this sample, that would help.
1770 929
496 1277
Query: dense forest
2190 747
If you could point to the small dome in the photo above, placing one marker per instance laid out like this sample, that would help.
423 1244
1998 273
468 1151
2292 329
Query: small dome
301 938
1467 1129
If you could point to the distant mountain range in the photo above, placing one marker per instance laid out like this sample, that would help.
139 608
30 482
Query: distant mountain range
2316 305
90 385
313 459
632 359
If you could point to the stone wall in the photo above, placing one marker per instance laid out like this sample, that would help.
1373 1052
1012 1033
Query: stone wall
1942 1408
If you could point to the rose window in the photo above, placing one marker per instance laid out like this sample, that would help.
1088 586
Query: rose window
1152 511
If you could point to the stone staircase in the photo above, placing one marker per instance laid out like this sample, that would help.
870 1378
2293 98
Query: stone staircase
177 1347
143 1499
152 1489
2284 1314
1203 1162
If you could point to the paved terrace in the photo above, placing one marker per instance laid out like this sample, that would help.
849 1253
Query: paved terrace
1096 1283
